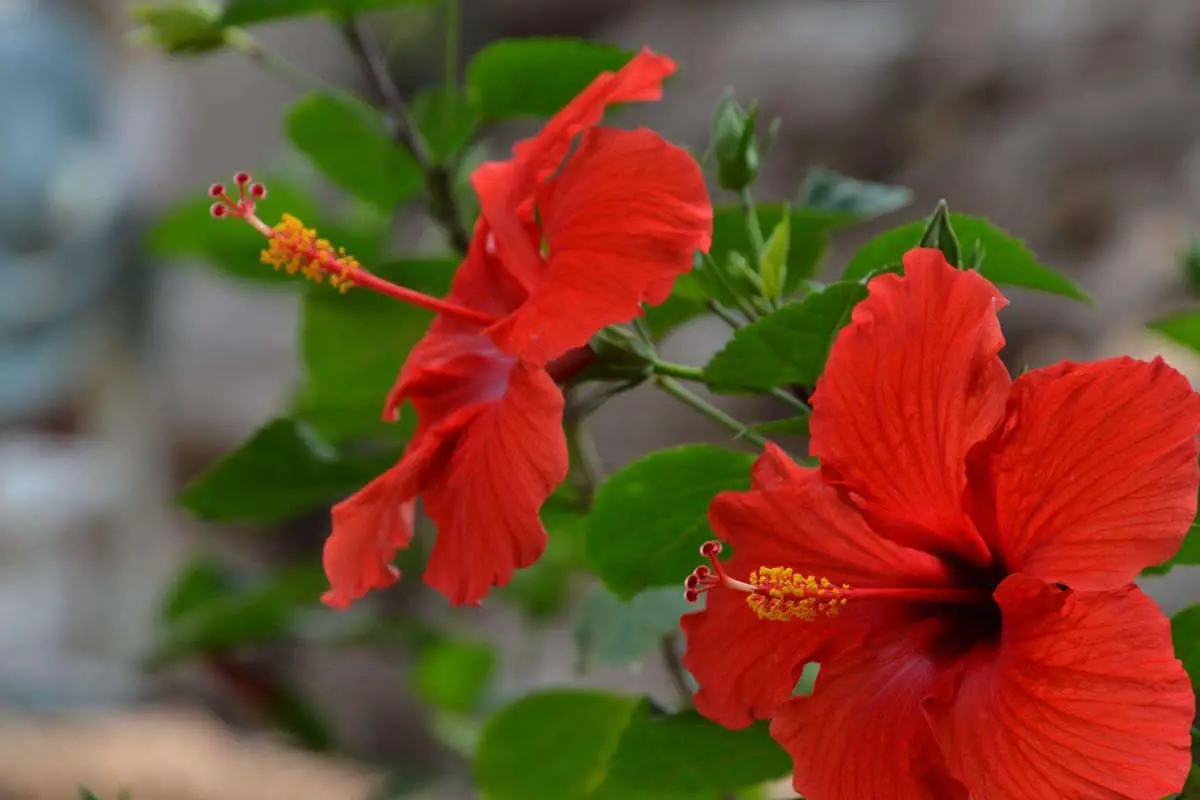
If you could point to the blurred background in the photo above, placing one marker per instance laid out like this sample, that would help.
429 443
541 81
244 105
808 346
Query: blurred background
124 373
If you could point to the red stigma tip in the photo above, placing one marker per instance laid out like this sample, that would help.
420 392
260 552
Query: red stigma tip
692 581
258 191
710 548
691 595
242 178
701 572
216 190
218 210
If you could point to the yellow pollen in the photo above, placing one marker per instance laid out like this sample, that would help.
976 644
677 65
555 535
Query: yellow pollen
296 249
782 594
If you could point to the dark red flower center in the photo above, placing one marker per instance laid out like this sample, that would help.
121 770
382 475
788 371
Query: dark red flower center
781 594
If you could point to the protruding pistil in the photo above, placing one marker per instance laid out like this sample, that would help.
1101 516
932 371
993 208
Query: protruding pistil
297 249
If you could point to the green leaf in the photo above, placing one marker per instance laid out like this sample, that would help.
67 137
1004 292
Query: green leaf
348 142
788 347
446 119
453 675
847 199
536 77
939 234
202 581
553 745
773 264
650 518
1185 633
246 12
1189 260
1182 328
663 754
263 611
1007 260
282 471
229 245
674 312
611 631
180 28
353 346
808 239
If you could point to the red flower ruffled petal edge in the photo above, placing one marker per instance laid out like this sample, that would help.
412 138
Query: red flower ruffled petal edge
1095 475
506 189
912 384
486 499
373 523
622 220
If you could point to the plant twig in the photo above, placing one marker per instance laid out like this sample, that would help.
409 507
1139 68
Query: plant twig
757 242
726 316
452 25
277 65
668 647
719 276
697 403
791 400
443 206
585 459
681 371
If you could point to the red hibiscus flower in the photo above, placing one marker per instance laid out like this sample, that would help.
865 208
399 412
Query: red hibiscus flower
616 221
960 566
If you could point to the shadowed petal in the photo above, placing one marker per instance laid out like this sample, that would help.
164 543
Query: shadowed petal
374 522
861 734
485 502
1083 700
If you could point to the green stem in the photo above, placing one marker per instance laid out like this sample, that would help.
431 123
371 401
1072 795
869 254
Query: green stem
791 399
584 459
681 371
453 34
669 648
699 404
443 206
725 314
718 274
277 65
643 331
757 242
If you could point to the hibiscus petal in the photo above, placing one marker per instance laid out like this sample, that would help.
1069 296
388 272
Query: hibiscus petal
911 385
1083 700
622 220
455 363
506 188
747 666
1095 477
861 733
370 525
505 464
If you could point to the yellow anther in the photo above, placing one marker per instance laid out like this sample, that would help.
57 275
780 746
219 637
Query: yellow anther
781 594
296 249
